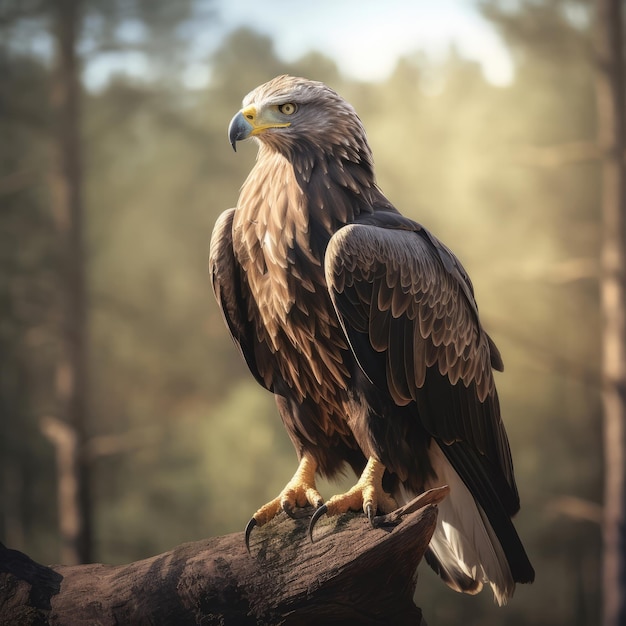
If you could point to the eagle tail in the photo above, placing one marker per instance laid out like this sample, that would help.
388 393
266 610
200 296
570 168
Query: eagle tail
464 550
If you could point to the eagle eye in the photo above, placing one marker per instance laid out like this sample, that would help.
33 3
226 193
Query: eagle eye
289 108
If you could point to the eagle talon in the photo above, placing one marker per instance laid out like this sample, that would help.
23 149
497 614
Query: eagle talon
371 514
249 526
322 510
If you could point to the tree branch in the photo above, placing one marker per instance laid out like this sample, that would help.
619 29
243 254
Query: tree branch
350 574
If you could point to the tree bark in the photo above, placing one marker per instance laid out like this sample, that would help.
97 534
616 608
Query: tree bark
612 139
67 196
351 573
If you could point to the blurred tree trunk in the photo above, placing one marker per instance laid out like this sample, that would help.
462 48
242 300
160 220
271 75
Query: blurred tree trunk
75 519
612 139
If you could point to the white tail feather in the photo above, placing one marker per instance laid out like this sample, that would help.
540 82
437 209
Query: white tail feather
464 542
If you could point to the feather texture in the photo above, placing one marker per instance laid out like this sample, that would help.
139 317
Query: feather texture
365 328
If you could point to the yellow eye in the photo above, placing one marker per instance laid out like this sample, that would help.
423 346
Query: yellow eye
287 109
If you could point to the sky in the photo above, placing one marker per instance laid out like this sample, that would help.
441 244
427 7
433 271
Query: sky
364 37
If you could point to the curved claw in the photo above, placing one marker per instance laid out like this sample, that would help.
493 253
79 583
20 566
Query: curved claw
322 510
249 526
369 510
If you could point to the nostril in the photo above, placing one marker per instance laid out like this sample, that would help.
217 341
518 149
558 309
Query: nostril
250 117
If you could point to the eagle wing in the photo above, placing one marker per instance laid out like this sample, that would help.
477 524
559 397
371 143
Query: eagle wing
407 308
226 279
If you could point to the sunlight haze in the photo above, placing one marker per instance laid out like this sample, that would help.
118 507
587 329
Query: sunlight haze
367 37
364 38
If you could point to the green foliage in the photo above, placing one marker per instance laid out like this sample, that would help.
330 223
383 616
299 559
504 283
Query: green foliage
197 445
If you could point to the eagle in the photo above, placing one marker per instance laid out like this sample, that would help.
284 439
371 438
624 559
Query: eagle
365 328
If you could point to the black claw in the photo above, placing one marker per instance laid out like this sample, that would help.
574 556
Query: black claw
322 510
249 526
369 510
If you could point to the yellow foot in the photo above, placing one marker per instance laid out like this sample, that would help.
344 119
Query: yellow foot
298 492
367 495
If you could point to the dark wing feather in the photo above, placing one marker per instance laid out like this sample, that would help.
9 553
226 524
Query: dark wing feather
227 283
407 307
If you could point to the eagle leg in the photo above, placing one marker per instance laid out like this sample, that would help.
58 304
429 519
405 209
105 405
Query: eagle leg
367 494
298 492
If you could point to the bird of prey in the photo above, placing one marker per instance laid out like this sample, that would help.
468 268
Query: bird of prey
365 328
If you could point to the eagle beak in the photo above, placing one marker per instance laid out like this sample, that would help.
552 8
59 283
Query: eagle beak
248 123
240 128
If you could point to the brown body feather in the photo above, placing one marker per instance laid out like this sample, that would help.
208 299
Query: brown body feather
361 323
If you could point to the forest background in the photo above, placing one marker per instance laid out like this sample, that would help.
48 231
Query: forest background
181 442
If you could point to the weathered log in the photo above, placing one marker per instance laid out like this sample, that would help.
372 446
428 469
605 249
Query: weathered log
351 573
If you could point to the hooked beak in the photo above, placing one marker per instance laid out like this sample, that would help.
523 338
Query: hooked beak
240 128
248 122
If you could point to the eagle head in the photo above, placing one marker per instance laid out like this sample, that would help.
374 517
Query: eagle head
293 115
